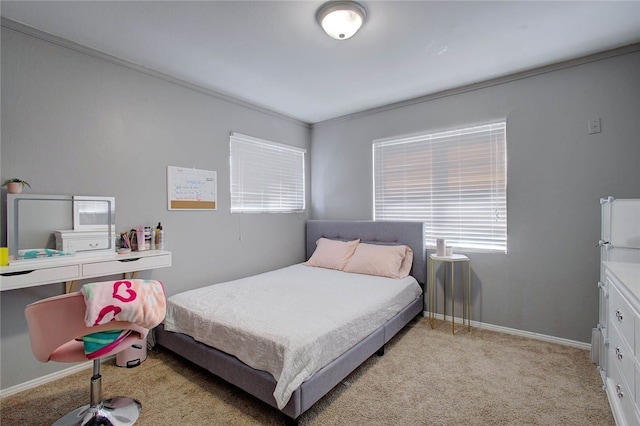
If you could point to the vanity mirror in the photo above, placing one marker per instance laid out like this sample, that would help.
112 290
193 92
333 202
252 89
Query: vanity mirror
93 213
32 220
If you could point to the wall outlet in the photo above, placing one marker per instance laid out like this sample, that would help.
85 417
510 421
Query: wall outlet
594 126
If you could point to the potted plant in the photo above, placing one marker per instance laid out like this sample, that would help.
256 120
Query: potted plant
15 185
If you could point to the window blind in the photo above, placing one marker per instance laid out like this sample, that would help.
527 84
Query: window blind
265 176
454 181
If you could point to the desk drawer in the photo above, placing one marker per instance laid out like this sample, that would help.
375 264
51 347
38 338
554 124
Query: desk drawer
39 276
118 266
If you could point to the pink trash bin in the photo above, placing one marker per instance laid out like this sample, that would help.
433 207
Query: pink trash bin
134 355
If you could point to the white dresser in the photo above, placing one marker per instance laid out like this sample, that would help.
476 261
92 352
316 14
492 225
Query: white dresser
622 343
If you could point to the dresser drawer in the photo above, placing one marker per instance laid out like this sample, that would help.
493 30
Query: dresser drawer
620 356
39 276
130 264
620 396
621 314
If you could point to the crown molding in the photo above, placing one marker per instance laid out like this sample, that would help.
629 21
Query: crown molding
34 32
607 54
62 42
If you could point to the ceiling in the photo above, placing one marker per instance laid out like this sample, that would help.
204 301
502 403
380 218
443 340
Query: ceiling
274 55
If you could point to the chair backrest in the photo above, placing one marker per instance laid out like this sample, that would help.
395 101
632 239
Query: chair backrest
56 326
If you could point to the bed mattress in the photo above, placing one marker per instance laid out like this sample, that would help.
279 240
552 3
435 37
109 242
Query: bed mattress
290 322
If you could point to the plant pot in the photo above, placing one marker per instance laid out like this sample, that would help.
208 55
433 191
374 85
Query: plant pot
14 187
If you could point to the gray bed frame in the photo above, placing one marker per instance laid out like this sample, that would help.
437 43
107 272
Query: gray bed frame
262 384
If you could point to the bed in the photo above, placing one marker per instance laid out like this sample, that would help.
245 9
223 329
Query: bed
294 393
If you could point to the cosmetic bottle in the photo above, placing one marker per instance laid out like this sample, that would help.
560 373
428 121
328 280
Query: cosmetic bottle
160 237
152 237
140 238
148 233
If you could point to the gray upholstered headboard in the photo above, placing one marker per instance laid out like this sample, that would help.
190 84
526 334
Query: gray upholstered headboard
369 231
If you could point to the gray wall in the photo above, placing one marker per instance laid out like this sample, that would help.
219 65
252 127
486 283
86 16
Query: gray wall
76 124
557 172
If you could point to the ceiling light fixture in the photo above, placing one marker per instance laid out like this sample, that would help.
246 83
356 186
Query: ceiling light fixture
341 19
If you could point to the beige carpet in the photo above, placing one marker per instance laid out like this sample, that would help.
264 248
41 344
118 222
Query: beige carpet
426 377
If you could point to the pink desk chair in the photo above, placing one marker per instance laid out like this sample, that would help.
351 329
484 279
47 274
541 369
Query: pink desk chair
56 327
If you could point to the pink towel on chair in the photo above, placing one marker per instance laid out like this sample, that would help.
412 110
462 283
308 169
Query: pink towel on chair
141 302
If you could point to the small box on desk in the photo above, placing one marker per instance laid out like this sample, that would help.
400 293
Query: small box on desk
72 241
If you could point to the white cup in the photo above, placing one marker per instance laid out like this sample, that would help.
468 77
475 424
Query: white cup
449 251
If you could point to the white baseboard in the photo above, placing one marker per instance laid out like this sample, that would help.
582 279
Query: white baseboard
514 331
49 378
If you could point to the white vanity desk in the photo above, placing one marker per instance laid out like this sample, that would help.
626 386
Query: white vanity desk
71 269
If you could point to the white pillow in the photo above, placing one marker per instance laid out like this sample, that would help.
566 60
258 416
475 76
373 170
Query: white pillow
332 254
381 260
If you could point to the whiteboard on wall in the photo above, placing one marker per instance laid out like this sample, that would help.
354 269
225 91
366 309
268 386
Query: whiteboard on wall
191 189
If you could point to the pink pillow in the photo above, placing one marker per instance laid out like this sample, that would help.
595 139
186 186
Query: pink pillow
332 254
383 261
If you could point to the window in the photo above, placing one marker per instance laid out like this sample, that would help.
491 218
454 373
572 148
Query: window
454 181
265 176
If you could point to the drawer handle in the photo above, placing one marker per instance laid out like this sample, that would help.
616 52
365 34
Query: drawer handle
129 260
619 315
618 353
13 274
619 391
94 245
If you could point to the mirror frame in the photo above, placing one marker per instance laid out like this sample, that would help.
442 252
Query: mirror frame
13 210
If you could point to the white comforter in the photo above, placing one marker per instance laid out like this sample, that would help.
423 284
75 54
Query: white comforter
290 322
